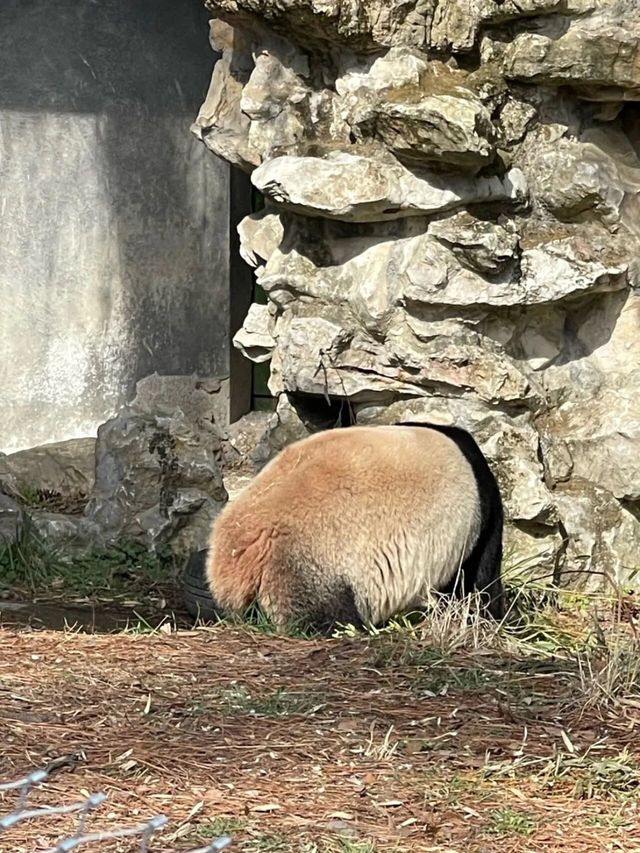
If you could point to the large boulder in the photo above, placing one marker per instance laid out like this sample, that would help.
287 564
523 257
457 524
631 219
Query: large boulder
158 479
204 400
63 467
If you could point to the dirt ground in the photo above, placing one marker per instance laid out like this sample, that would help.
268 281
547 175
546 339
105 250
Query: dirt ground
352 745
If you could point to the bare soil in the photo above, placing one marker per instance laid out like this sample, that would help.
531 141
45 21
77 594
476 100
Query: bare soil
354 745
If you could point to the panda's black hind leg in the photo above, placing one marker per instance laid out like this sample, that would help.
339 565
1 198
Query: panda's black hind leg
487 572
480 572
331 607
314 603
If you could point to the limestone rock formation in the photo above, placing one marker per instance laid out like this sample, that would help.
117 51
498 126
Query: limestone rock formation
598 54
451 234
255 338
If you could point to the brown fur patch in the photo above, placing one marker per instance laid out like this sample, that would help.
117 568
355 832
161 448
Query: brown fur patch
384 512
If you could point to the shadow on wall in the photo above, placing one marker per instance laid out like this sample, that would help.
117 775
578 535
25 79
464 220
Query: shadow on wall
114 259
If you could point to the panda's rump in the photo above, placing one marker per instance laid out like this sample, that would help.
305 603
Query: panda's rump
392 511
367 517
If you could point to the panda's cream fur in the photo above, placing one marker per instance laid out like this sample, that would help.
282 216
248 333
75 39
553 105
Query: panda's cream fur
348 525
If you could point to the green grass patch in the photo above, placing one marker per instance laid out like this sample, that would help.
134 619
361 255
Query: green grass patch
31 565
589 774
238 700
507 821
221 825
256 620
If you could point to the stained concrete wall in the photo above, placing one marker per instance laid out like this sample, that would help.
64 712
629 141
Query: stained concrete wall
113 218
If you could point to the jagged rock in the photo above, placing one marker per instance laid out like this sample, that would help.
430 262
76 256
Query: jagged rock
531 551
595 388
316 356
203 400
398 70
597 54
515 119
321 25
603 538
354 188
270 100
246 442
578 180
221 124
484 247
451 130
285 425
557 264
460 262
539 338
258 102
269 88
158 479
260 235
64 467
457 23
366 26
255 339
588 260
601 434
424 112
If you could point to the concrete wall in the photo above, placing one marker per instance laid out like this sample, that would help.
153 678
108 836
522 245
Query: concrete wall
113 218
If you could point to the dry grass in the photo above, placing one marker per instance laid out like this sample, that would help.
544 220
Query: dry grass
447 736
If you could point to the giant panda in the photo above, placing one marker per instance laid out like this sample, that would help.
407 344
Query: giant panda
357 524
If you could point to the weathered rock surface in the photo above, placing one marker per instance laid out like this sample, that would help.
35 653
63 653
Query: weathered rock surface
452 242
587 180
597 54
201 399
363 25
65 467
424 112
354 188
158 479
602 536
61 474
246 443
255 338
10 518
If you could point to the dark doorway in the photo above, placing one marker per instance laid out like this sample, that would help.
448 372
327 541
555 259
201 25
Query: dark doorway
248 381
